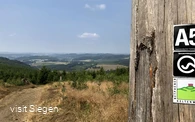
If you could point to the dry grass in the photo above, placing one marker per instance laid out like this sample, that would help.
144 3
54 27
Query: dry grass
6 88
94 104
3 91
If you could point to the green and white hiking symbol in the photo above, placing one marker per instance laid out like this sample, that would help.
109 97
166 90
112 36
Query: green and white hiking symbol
186 90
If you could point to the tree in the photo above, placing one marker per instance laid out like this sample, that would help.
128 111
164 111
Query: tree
56 76
43 75
102 72
81 76
34 78
64 75
151 86
121 71
93 74
50 77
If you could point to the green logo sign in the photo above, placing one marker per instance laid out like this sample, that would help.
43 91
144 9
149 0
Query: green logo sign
184 90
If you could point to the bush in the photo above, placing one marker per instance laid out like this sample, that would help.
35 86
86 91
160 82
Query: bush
17 82
63 89
43 75
114 90
100 78
79 85
74 84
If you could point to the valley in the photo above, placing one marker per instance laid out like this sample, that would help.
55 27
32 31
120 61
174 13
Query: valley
72 62
91 87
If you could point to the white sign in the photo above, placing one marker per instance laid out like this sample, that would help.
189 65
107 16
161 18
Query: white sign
184 90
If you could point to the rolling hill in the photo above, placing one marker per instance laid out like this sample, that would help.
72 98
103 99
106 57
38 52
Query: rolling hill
186 93
71 61
10 70
7 63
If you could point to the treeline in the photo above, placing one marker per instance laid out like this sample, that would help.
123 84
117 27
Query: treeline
102 57
45 75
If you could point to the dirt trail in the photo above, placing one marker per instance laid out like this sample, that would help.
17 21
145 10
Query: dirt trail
30 96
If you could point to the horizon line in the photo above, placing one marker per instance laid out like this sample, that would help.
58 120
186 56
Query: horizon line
3 52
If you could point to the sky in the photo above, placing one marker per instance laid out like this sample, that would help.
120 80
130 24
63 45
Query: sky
183 82
65 26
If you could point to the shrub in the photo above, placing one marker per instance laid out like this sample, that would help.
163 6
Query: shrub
114 90
63 89
17 82
79 85
43 75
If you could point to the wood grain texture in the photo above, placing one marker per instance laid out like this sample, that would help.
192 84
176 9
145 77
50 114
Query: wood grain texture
151 80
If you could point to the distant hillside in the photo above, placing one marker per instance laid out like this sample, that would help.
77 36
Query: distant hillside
7 65
12 71
12 63
102 57
30 59
71 61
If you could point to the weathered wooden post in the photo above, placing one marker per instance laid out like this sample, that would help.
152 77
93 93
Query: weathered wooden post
151 66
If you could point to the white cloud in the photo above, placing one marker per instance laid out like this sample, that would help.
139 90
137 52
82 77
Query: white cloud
87 6
96 7
13 34
88 35
101 6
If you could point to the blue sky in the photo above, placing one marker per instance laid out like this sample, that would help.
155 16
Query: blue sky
65 26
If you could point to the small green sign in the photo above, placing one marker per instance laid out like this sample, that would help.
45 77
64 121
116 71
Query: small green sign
184 90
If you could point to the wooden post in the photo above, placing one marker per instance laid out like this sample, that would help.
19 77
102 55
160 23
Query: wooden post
151 81
60 78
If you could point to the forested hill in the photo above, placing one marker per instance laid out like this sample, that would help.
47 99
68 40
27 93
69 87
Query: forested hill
13 71
7 63
16 72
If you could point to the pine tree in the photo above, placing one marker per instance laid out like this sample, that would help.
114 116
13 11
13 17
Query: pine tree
43 74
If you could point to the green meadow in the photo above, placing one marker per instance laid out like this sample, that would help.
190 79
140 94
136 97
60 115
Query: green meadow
186 93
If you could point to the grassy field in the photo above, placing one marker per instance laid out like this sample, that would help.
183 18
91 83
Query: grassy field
97 103
107 67
86 60
186 93
49 63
